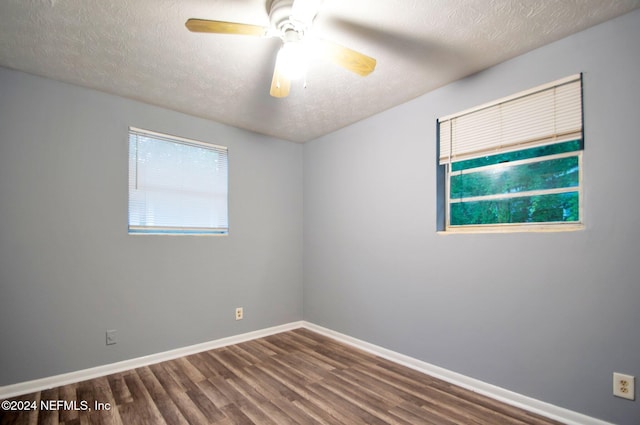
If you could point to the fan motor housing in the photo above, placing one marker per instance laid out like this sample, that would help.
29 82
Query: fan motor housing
280 12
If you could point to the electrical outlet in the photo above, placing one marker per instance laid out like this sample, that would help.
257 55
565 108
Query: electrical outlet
239 313
111 337
624 386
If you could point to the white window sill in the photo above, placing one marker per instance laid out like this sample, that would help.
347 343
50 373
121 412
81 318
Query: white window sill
517 228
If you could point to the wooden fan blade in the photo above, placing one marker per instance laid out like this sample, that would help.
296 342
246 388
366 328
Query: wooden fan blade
280 85
349 59
222 27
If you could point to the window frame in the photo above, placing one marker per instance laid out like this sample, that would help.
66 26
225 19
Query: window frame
447 158
171 230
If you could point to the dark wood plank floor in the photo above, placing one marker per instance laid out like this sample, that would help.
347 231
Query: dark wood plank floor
296 377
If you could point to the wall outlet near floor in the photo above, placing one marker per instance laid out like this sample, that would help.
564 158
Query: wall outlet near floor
239 313
111 337
624 386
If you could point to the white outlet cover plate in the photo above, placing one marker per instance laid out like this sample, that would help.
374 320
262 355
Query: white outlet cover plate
625 391
111 337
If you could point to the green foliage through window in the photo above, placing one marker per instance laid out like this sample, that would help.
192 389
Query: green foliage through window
538 151
535 185
555 173
560 207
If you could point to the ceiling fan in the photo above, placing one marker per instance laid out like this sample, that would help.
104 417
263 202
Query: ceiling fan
291 21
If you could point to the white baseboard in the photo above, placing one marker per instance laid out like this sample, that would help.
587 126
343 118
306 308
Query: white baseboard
22 388
536 406
548 410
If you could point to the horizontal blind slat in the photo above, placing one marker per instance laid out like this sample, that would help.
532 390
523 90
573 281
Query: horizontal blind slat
540 115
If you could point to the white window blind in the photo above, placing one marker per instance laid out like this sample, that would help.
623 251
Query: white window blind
545 114
176 185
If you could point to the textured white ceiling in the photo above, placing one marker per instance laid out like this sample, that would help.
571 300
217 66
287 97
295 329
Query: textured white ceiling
140 49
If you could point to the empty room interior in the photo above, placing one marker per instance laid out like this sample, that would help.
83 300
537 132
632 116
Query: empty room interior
362 264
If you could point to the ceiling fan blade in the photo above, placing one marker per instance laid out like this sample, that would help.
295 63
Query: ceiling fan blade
280 85
349 59
222 27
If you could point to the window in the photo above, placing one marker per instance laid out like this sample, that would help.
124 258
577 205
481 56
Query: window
176 185
515 164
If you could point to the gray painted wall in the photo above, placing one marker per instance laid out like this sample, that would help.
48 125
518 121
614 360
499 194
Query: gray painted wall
68 269
547 315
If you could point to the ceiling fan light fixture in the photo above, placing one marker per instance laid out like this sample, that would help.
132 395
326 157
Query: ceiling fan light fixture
293 60
291 21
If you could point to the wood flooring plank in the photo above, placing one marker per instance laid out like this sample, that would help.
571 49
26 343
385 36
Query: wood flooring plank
412 382
385 384
256 414
139 412
179 375
295 377
245 355
68 392
323 415
259 352
417 415
502 408
119 389
269 345
236 416
353 413
180 390
479 413
296 343
189 370
220 368
46 416
142 409
108 412
310 338
282 342
158 394
271 383
199 361
428 398
230 392
212 392
188 408
169 411
23 415
86 398
341 379
280 370
205 405
249 389
377 407
231 362
165 378
316 361
292 410
151 382
259 349
370 385
262 383
298 364
275 414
